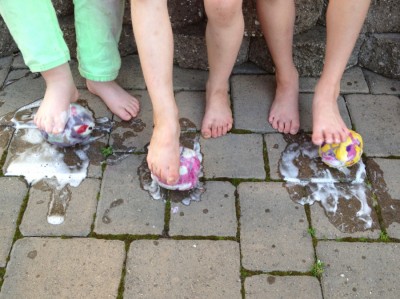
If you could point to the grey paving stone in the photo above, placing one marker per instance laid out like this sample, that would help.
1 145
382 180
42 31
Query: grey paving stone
214 215
384 179
19 63
57 268
276 144
221 156
130 75
273 229
353 81
253 96
191 106
23 91
324 229
124 208
376 118
5 64
137 132
305 108
189 79
78 215
391 172
360 270
380 84
13 193
183 269
267 286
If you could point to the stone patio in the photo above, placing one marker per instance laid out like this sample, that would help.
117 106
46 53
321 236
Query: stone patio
246 238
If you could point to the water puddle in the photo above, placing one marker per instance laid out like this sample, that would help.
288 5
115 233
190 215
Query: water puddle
41 162
341 192
189 139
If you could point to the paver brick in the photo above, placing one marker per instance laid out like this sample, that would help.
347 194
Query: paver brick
376 118
124 208
222 156
78 216
19 63
191 106
57 268
268 286
5 137
214 215
5 64
360 270
382 85
12 195
189 79
273 229
183 269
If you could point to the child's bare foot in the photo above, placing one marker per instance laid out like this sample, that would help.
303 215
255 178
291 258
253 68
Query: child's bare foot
328 125
116 98
284 112
163 154
217 119
60 93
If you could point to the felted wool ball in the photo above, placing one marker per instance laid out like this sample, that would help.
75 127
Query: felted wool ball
78 128
343 154
189 171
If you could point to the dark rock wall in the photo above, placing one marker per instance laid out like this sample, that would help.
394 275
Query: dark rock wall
377 49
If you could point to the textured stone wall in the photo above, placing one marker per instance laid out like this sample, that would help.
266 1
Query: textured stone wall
377 49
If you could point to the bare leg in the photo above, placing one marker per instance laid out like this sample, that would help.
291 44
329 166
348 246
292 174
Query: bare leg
224 35
344 22
60 92
154 40
277 22
116 98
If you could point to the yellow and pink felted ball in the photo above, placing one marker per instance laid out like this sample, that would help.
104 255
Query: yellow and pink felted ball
343 154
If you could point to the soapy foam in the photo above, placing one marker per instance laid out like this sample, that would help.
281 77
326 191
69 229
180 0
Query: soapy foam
323 187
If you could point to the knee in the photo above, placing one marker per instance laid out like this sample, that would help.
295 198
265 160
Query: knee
223 11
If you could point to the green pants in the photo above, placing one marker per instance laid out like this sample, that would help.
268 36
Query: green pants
35 29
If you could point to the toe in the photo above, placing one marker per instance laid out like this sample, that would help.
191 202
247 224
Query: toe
317 138
286 129
281 126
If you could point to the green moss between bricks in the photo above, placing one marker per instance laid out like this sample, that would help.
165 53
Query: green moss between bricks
2 273
2 161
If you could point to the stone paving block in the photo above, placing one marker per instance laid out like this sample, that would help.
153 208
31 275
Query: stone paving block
380 84
324 229
267 286
19 63
253 96
13 193
353 81
130 75
377 119
273 229
137 132
214 215
221 156
384 175
23 91
191 106
57 268
276 144
183 269
360 270
124 208
5 64
189 79
78 216
248 68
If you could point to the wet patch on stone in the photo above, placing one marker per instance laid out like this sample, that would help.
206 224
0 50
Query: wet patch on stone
342 193
188 138
115 203
124 135
390 207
